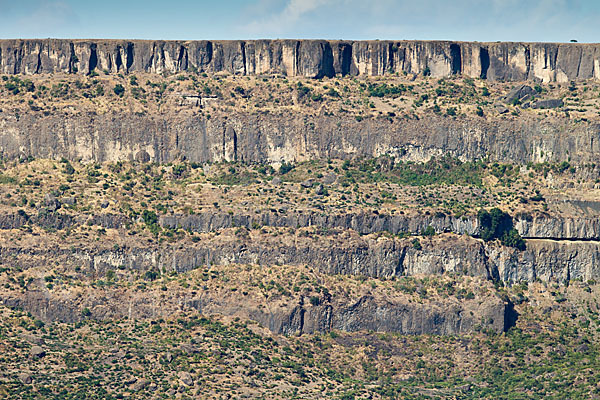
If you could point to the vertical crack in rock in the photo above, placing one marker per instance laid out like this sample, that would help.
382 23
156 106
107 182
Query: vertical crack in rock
391 57
150 65
209 52
93 58
554 58
224 143
72 59
129 56
484 59
297 59
327 62
346 56
182 59
38 67
161 57
456 59
243 50
119 60
235 155
579 63
17 63
528 67
400 265
510 316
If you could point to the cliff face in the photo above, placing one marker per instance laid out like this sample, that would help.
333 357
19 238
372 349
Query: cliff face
285 137
296 316
344 252
547 62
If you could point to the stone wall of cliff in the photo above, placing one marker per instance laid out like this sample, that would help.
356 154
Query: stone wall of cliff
276 138
546 62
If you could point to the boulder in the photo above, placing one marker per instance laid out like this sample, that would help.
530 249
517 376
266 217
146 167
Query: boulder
500 109
186 378
70 201
330 179
550 103
37 352
33 339
51 202
520 93
140 385
307 183
25 378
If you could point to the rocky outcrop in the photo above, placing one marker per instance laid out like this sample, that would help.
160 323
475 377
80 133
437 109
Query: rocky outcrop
545 62
363 223
343 253
549 103
530 226
272 138
295 316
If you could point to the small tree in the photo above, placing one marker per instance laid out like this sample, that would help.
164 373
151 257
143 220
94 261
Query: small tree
119 90
429 231
497 224
417 244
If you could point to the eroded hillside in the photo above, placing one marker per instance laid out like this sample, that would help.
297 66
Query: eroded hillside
201 118
197 230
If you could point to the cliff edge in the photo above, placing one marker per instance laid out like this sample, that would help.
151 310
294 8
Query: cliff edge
511 61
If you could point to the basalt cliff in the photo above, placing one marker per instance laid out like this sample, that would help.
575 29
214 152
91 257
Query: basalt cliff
143 160
544 62
299 219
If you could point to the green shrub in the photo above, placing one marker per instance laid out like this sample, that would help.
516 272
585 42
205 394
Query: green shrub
119 90
429 231
285 168
497 224
417 244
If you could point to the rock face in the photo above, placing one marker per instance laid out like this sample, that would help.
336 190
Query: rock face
277 138
375 310
550 103
344 253
545 62
536 226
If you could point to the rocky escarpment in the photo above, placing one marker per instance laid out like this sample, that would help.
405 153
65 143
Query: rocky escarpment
310 58
284 137
530 226
371 311
340 252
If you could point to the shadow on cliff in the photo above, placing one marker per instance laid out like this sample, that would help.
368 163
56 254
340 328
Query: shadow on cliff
510 316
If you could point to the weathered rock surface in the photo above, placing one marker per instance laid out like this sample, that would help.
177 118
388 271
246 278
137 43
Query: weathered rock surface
277 138
520 93
373 311
545 62
550 103
37 352
536 226
343 253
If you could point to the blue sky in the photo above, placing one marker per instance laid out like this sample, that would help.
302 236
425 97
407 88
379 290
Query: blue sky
469 20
